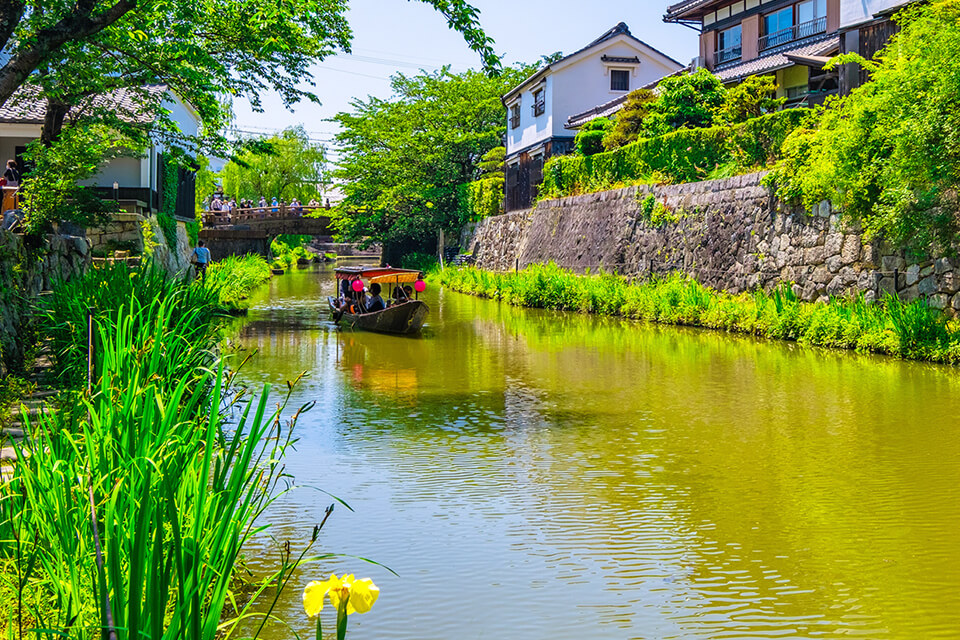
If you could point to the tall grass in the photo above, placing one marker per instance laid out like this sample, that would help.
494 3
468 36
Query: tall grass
906 330
234 278
130 513
103 292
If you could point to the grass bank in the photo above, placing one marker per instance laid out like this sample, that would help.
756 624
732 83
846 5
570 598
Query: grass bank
891 327
235 278
130 505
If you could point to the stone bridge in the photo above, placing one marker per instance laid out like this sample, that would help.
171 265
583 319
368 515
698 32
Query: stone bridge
251 230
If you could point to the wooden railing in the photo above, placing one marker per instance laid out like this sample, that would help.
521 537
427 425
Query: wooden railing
257 214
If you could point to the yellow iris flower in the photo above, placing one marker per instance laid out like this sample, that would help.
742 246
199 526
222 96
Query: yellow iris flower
360 594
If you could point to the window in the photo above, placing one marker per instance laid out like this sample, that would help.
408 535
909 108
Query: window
777 28
811 10
619 80
539 103
515 115
729 44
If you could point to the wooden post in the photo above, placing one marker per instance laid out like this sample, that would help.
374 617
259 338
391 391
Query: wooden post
442 247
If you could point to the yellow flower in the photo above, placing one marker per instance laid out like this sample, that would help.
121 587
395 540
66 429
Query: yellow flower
360 594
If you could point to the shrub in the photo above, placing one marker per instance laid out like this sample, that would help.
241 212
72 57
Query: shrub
888 153
682 156
686 100
483 198
590 138
629 121
752 98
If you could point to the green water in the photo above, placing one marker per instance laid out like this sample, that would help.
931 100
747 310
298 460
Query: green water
534 475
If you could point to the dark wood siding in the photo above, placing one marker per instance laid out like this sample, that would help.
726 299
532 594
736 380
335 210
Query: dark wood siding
867 40
525 173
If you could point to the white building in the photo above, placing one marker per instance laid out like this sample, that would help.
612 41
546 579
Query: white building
138 178
537 110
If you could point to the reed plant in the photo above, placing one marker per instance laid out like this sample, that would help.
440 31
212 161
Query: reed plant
911 330
126 516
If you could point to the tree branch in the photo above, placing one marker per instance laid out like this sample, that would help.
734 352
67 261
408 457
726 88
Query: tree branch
79 24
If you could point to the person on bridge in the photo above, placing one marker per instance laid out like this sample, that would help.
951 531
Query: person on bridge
296 207
275 205
202 258
263 205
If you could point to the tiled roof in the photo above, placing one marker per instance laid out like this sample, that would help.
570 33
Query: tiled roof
27 106
778 59
620 29
677 10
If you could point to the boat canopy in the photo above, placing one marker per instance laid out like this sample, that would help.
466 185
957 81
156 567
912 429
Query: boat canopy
378 274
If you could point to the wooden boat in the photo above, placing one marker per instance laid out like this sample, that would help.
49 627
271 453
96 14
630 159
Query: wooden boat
399 318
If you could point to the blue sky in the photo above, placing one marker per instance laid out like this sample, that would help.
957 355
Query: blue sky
400 35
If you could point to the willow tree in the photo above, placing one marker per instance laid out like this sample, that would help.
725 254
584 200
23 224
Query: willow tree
404 161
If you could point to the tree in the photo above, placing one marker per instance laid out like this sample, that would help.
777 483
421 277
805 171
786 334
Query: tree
888 154
629 121
752 98
292 167
290 35
689 100
404 161
589 139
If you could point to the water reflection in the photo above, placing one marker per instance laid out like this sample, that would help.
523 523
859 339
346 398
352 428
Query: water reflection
535 475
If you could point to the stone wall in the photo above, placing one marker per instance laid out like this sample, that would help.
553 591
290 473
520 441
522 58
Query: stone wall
729 234
25 272
124 231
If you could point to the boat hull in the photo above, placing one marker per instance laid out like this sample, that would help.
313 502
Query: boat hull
401 319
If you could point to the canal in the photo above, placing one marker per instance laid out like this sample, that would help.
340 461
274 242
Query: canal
535 475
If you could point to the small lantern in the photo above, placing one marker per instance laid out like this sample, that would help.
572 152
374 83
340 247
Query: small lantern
357 285
420 286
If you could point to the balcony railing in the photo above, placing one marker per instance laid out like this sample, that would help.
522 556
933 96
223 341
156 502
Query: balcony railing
539 108
796 32
728 54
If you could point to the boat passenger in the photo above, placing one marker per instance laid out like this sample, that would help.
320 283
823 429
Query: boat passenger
374 300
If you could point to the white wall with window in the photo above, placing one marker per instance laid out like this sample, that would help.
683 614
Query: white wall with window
595 75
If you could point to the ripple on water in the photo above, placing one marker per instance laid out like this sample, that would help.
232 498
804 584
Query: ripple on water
530 477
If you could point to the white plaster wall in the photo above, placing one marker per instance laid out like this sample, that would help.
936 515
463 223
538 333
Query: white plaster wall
853 12
585 83
581 83
9 142
532 129
124 171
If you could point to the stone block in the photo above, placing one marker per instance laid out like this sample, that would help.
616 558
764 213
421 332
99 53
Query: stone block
910 294
939 301
913 274
927 286
823 209
833 263
887 285
833 244
850 250
926 271
950 282
821 276
813 255
942 266
955 302
835 287
892 263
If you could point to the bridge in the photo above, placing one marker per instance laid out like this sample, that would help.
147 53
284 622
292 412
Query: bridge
251 230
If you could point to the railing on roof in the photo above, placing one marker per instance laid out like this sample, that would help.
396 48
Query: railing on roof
796 32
